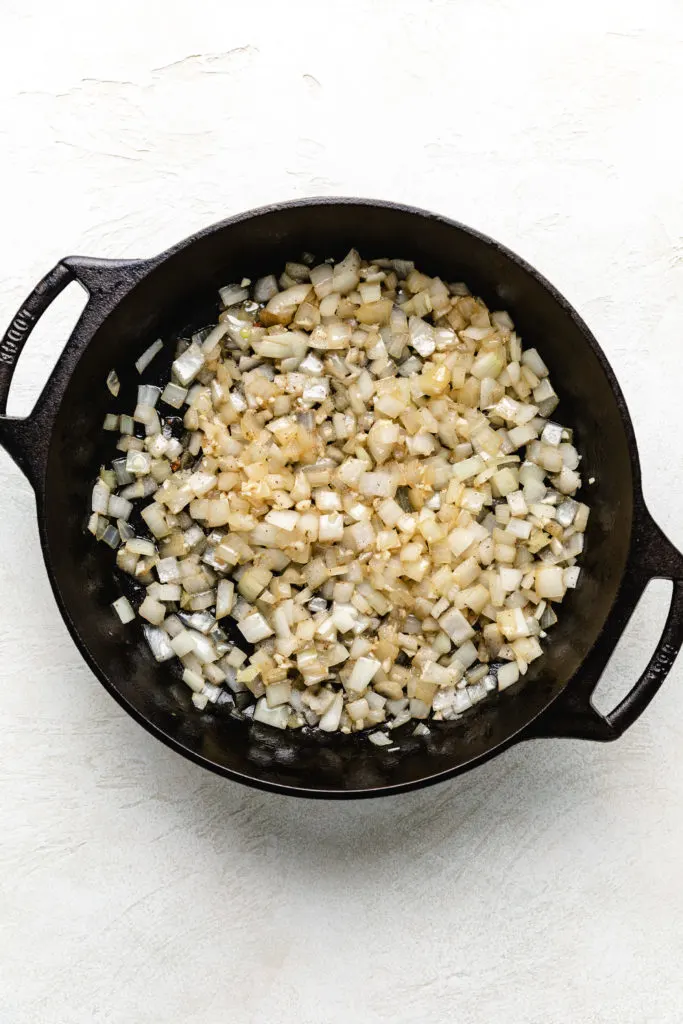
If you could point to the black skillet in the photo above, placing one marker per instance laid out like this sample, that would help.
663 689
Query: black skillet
60 446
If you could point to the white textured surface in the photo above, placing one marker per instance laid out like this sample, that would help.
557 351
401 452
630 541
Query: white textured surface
543 888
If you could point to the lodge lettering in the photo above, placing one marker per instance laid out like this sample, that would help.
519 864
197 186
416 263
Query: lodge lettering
13 340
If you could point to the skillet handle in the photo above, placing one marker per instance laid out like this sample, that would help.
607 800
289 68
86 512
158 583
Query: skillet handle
573 714
102 279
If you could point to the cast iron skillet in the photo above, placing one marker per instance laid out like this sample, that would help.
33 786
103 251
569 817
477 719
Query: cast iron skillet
60 446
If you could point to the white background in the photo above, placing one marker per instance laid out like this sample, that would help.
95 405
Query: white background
543 888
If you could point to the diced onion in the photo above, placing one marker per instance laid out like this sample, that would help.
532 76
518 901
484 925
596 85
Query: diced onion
277 717
119 508
188 364
124 609
174 395
113 382
232 294
360 473
100 498
159 643
148 355
507 675
254 628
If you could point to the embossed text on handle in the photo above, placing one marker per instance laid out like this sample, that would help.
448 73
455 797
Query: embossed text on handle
11 344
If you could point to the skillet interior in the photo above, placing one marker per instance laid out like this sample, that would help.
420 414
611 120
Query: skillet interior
181 292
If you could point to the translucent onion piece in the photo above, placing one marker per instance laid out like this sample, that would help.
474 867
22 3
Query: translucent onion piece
148 355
